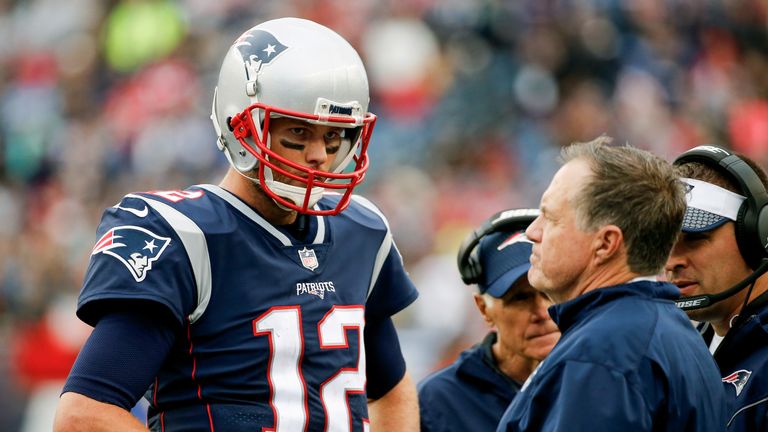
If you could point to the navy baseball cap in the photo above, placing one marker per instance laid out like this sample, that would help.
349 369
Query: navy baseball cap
504 258
709 206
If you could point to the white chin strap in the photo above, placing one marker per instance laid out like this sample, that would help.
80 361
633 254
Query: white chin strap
292 193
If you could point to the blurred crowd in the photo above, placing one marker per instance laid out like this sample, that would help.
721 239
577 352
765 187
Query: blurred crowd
474 98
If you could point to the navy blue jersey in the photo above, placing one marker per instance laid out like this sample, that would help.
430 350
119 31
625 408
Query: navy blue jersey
272 325
742 357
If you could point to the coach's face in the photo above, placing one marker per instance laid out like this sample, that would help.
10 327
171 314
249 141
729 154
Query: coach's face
709 263
561 251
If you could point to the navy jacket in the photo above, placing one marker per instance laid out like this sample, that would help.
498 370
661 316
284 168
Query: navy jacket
469 395
743 360
628 360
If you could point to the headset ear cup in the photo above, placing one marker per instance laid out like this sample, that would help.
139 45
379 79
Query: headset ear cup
747 236
761 228
467 268
474 267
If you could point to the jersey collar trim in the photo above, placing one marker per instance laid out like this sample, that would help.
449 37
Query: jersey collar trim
251 214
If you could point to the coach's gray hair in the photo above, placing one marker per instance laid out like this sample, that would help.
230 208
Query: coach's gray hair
635 190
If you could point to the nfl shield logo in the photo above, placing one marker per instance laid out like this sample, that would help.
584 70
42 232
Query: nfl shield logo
308 258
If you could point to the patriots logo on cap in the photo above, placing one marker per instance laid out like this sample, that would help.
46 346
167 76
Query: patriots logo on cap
137 248
514 238
738 379
688 187
258 47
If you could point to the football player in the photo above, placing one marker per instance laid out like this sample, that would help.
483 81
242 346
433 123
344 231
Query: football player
263 302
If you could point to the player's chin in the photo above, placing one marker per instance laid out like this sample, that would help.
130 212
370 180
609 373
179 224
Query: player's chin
536 277
688 290
544 336
540 347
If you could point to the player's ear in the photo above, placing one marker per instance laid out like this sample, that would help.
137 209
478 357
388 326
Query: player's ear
482 306
608 242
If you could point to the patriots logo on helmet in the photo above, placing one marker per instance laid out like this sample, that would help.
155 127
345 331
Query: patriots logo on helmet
137 248
259 47
738 379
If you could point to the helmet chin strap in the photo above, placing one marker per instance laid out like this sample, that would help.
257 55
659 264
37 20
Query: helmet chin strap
292 193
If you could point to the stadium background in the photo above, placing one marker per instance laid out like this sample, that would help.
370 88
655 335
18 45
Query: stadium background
474 97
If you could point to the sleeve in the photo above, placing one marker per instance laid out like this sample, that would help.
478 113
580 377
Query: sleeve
122 355
393 289
138 256
578 396
385 364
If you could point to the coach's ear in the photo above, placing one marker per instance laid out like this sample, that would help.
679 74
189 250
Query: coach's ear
608 244
482 306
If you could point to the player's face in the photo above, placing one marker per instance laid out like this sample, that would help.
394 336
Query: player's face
708 263
524 327
561 251
310 145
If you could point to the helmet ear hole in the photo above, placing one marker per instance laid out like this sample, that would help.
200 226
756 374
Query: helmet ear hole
229 124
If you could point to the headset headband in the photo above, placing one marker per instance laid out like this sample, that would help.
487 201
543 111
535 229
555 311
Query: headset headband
506 220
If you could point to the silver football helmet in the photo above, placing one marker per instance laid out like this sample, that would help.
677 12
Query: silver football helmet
295 68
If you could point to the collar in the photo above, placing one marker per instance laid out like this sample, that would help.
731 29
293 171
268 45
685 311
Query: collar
757 306
747 337
569 313
479 364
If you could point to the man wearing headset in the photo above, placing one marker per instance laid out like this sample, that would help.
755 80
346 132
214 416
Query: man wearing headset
721 245
473 392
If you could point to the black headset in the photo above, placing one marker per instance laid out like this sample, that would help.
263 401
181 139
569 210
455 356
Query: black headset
507 220
752 219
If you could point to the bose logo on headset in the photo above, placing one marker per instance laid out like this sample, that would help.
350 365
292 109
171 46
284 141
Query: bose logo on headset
506 220
752 220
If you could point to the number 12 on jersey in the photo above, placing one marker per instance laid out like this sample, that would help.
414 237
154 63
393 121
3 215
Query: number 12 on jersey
282 324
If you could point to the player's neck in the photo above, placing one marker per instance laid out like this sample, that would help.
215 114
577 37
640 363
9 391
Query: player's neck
254 196
512 364
615 272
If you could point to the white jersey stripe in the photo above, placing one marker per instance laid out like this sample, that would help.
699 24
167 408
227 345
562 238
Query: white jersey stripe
386 243
196 247
320 237
249 212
